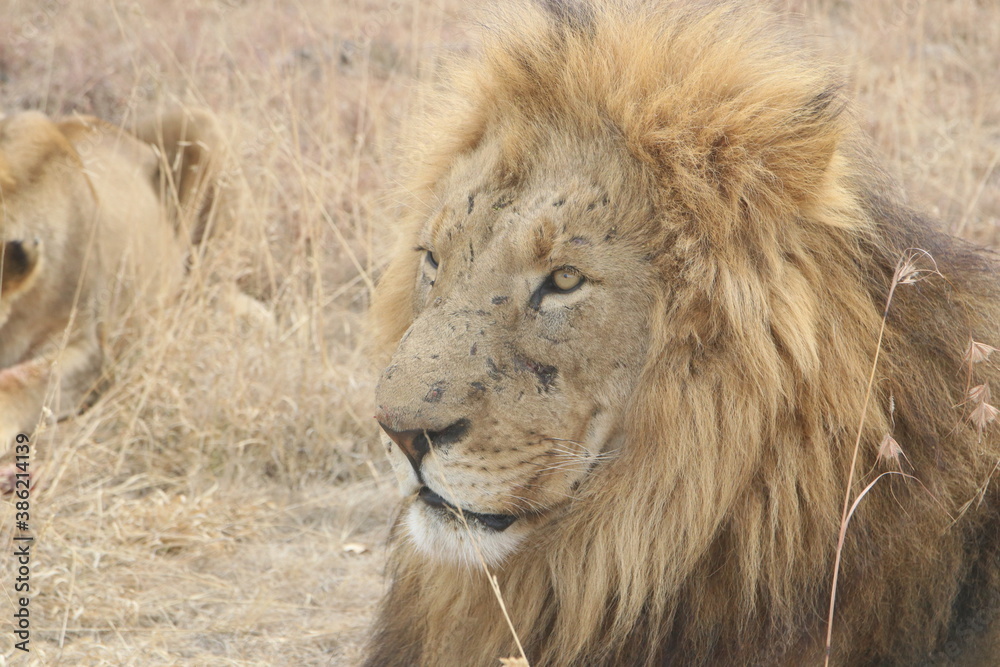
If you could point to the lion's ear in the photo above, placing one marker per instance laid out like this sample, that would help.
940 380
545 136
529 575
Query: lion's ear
756 155
772 157
800 151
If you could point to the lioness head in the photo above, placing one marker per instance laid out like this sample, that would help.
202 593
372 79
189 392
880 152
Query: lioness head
89 221
507 389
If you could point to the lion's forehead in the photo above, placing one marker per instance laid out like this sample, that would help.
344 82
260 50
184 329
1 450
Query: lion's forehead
541 225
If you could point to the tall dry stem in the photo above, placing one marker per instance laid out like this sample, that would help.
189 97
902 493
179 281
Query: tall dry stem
907 272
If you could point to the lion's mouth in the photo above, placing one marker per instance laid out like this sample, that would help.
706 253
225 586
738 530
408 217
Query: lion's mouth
494 522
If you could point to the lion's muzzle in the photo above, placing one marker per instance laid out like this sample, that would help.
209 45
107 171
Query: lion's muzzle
415 443
494 522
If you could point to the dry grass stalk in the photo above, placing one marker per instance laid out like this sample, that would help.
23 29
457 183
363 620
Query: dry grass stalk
907 272
494 583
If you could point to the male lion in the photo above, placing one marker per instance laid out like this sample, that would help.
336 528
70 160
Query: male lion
89 224
631 325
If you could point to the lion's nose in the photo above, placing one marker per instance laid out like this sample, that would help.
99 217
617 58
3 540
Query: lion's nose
413 443
417 442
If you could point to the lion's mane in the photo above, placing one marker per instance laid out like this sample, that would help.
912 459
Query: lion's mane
710 538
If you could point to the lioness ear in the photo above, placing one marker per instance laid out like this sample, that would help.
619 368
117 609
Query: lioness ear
19 264
30 142
193 150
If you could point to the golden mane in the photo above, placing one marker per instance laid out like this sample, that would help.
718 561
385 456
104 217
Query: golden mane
710 537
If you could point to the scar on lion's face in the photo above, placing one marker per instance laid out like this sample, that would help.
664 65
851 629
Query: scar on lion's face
507 283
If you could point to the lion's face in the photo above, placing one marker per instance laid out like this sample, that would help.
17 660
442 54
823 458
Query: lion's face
510 385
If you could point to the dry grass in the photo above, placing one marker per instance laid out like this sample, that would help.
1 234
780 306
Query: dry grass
199 512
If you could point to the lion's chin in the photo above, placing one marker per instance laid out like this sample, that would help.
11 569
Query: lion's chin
440 534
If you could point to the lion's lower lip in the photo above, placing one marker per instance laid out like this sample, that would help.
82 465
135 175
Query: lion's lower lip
495 522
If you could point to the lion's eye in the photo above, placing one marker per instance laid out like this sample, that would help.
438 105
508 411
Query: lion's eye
566 279
432 259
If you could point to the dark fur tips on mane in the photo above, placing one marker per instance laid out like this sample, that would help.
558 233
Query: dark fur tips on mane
570 13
